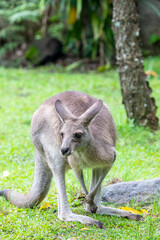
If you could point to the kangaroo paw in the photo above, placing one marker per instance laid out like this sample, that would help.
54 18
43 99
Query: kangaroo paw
83 219
136 217
119 213
100 225
4 193
91 206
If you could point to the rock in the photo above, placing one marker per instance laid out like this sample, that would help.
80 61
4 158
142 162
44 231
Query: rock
44 50
139 191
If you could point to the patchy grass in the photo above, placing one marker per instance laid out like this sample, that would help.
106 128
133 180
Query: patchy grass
21 92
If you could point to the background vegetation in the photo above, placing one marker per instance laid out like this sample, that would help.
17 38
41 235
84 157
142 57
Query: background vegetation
22 91
84 27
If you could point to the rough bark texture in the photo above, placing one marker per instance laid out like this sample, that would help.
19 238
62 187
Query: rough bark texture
134 87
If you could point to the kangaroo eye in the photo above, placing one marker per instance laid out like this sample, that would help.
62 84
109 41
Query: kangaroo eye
62 134
78 135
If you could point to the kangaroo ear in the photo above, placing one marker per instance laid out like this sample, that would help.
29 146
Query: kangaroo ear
63 111
90 113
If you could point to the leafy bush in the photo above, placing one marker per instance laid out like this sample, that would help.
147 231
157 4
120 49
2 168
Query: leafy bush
18 21
89 28
83 26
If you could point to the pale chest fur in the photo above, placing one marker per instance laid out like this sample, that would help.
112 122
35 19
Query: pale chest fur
92 158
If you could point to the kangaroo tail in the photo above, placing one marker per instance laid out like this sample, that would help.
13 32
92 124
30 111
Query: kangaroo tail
40 186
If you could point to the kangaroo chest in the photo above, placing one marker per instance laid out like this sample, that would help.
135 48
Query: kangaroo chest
88 159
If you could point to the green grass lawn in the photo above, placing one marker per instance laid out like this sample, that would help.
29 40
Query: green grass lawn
21 92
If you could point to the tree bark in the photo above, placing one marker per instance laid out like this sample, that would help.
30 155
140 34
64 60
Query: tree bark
134 87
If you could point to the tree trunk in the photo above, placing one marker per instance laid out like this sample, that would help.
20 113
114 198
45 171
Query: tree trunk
134 87
45 20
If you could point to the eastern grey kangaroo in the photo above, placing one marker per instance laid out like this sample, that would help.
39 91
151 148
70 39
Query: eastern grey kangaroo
71 130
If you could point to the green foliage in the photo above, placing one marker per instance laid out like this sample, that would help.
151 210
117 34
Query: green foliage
74 65
32 54
84 26
10 46
22 91
24 15
17 17
154 38
89 25
81 25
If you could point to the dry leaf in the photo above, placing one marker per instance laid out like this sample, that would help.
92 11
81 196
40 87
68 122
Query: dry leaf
144 211
46 205
83 229
131 210
152 73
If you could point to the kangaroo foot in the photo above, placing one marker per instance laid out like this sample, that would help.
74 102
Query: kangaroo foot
83 219
119 213
91 206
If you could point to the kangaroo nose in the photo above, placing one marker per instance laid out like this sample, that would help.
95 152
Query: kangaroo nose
64 151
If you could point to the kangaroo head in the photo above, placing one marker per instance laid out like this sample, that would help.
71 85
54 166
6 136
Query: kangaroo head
75 133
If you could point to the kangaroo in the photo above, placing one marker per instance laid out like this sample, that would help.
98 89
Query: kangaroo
71 130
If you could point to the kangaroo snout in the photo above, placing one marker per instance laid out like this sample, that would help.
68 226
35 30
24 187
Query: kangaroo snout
66 151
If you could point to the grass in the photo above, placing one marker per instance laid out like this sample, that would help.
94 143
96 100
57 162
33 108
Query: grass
21 92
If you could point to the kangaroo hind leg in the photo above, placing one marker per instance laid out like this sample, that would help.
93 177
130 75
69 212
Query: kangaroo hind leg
103 209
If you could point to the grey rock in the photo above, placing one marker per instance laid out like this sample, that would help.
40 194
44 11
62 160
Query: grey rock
125 192
44 50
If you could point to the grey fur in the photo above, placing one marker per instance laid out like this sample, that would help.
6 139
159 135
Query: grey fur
67 114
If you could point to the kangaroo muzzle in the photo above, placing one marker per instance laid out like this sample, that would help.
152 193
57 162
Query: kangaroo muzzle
66 151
